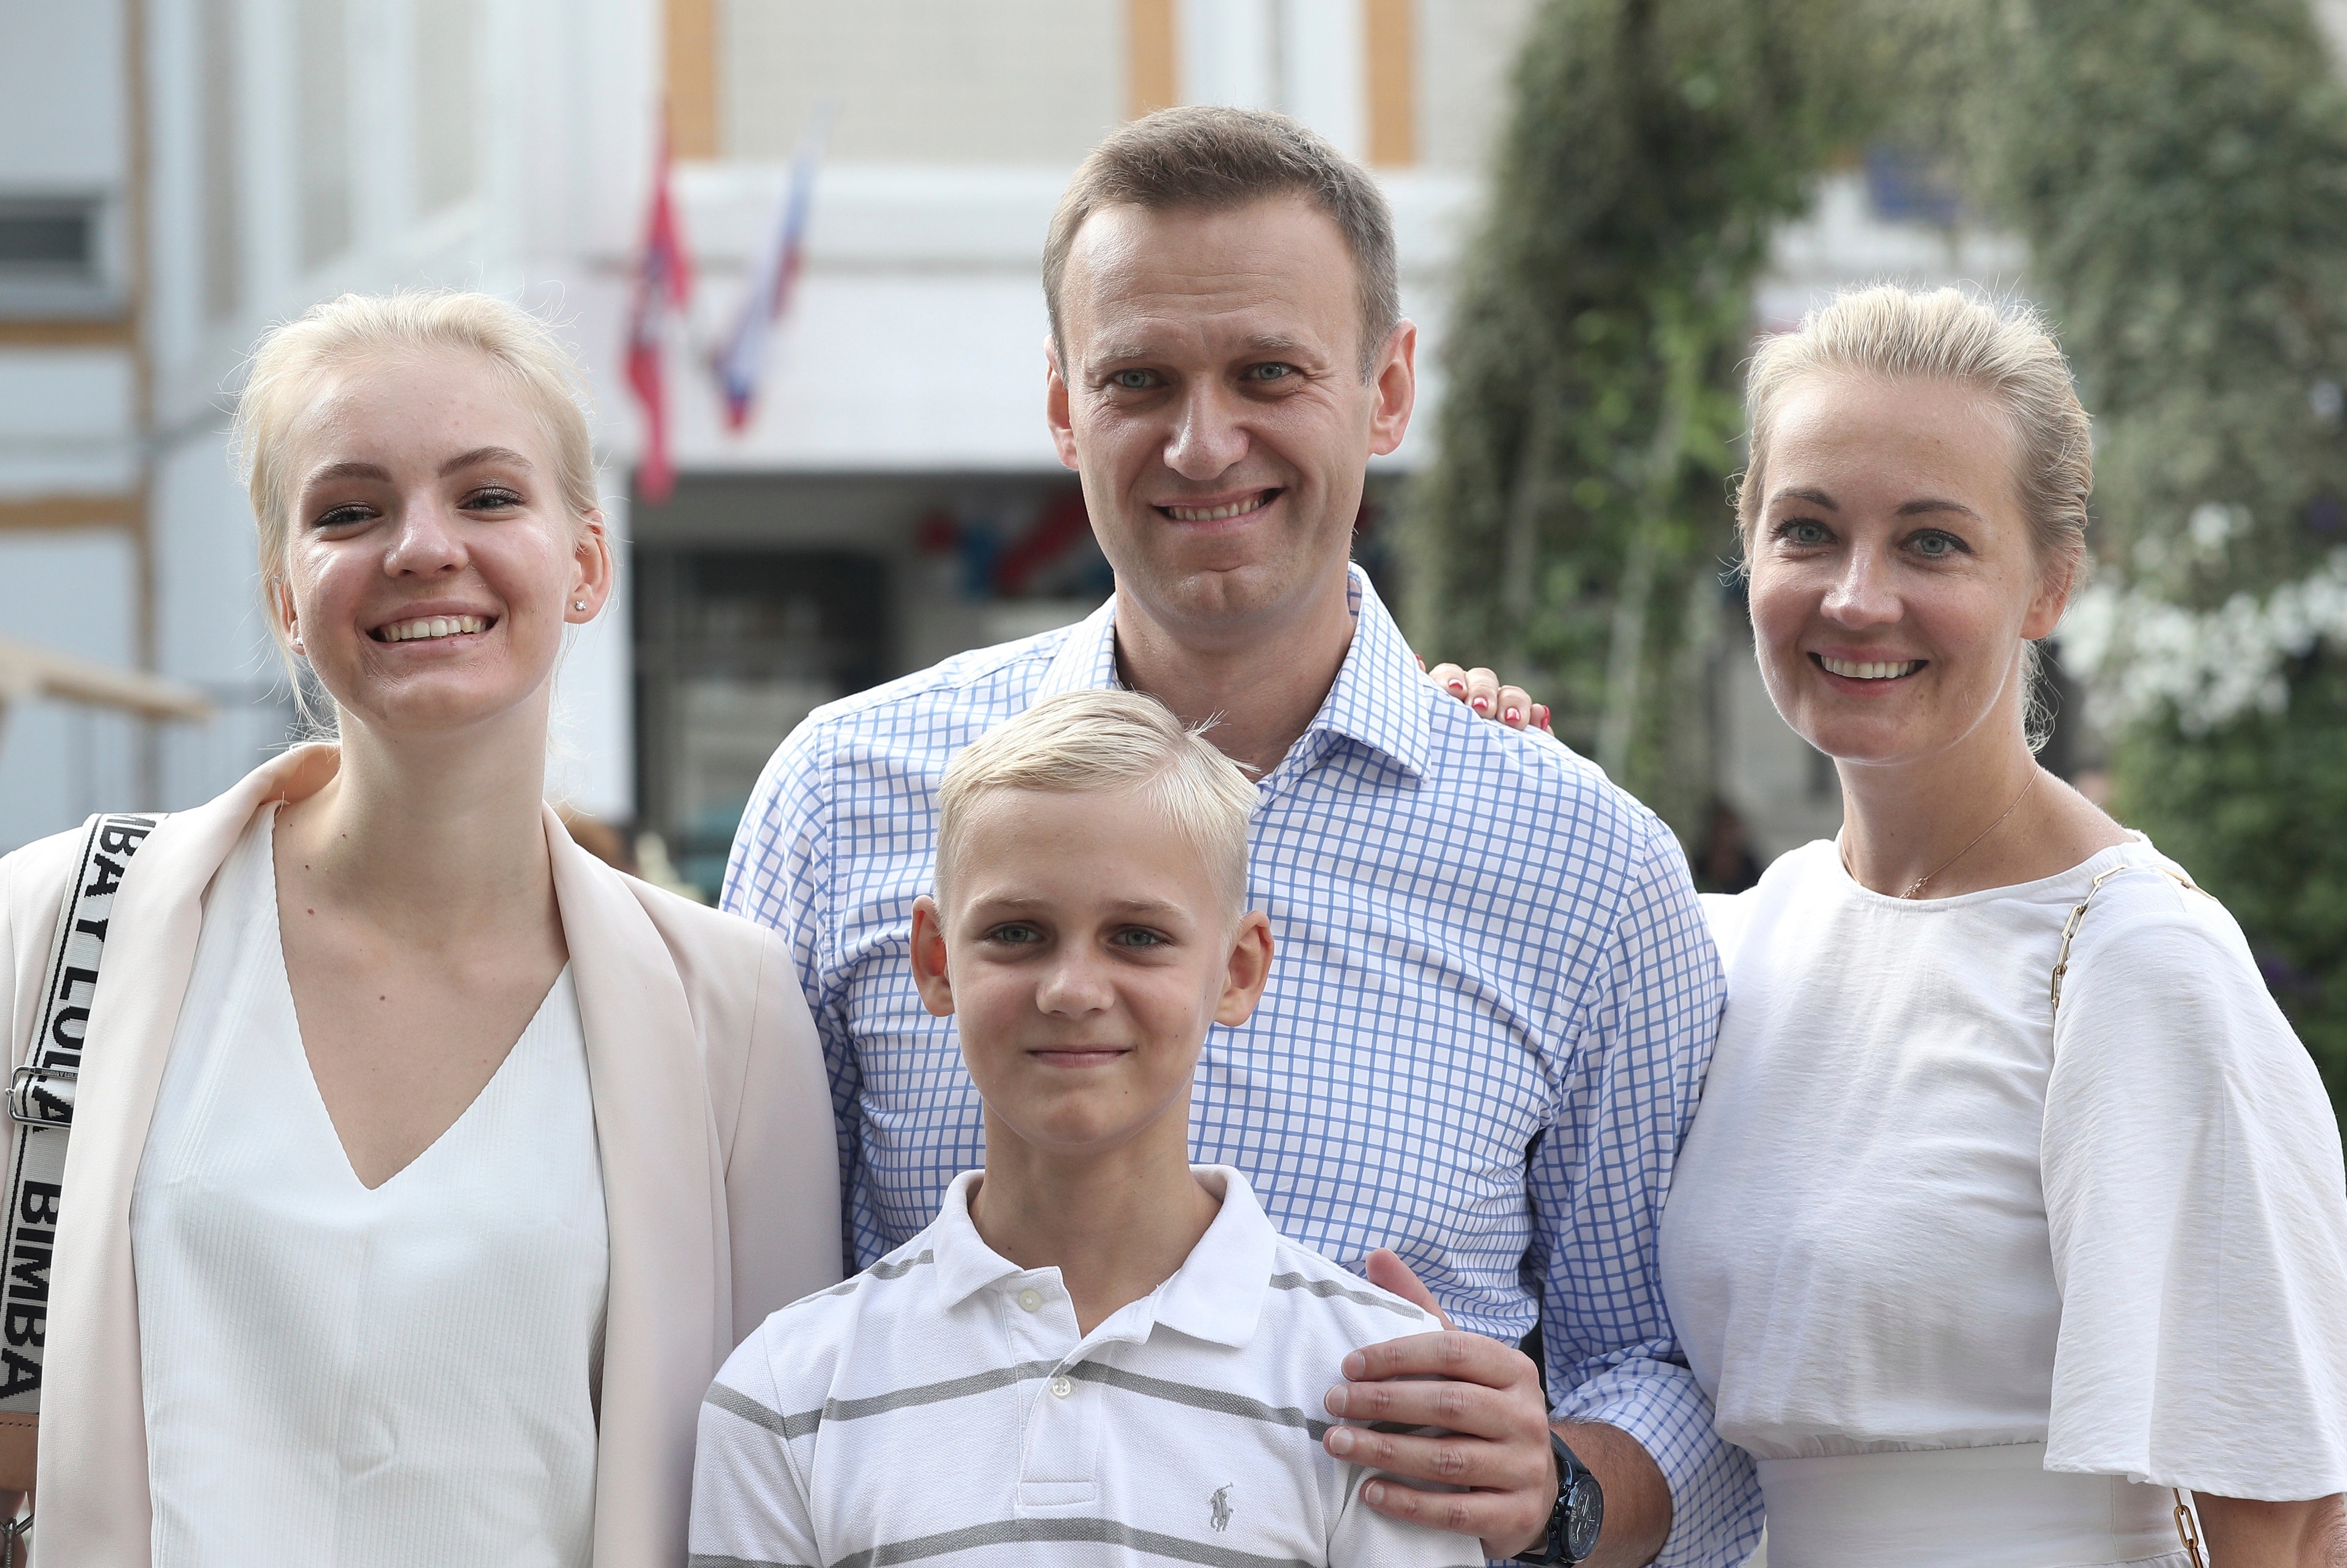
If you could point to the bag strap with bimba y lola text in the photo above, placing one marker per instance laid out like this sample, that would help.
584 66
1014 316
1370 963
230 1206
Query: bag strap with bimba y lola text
41 1104
2187 1530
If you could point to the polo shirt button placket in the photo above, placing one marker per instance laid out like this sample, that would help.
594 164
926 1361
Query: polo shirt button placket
1059 1450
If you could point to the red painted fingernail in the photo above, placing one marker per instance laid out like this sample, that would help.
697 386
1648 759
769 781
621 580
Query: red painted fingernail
1509 716
1481 706
1540 711
1459 688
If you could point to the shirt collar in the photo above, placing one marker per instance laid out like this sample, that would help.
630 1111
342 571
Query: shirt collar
965 1264
1215 1296
1379 699
1087 657
1217 1293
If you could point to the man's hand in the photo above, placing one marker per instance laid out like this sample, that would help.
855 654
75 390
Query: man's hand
1488 1396
1485 1393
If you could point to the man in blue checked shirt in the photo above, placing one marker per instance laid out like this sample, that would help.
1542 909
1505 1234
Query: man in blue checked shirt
1495 993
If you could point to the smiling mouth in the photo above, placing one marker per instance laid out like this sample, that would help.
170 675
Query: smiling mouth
1079 1055
426 627
1255 503
1880 671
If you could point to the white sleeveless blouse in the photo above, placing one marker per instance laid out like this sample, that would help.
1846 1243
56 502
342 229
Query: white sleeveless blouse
347 1378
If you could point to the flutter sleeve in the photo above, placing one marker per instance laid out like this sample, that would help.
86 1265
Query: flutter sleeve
2198 1207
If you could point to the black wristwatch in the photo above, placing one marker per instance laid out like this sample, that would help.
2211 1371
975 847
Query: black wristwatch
1579 1514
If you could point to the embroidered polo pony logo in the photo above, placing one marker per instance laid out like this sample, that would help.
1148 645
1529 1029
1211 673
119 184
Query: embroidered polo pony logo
1221 1504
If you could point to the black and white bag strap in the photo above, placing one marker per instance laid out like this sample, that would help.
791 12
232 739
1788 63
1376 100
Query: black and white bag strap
41 1102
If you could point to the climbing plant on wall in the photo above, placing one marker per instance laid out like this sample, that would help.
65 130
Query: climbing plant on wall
1571 529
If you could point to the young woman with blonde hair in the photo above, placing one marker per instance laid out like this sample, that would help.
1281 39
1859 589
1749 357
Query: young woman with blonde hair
424 1169
2012 1201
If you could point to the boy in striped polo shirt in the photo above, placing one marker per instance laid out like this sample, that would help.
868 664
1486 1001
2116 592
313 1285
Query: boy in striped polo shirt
1097 1353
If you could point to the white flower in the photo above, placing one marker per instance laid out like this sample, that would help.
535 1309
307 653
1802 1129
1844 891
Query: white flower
2139 652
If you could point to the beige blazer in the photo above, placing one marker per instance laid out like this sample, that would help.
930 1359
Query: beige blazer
712 1115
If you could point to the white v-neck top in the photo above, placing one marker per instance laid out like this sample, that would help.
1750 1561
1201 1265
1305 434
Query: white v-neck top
345 1378
1918 1214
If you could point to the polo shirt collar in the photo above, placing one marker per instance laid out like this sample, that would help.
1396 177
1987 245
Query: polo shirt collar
965 1264
1215 1296
1217 1293
1378 699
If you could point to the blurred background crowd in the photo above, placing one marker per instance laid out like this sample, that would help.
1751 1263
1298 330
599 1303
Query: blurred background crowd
796 245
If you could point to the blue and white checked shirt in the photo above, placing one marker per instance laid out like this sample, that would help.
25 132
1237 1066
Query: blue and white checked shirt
1488 1017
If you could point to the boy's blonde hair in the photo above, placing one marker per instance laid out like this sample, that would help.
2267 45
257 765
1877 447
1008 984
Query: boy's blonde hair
1084 741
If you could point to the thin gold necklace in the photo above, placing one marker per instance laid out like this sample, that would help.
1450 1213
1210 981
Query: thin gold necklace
1915 888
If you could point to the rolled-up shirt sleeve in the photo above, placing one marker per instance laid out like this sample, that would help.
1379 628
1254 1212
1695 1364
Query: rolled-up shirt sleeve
1642 1039
2198 1210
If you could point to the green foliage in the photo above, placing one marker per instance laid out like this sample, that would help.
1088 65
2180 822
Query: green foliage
2180 169
2255 812
1572 526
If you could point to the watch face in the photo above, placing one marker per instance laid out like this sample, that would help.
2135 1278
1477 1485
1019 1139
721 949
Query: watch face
1584 1514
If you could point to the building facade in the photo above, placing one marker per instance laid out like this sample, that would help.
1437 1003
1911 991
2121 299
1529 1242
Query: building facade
176 177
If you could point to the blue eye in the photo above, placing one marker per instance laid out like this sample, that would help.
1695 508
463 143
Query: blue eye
1138 936
1803 531
1272 372
1931 545
1015 932
1132 381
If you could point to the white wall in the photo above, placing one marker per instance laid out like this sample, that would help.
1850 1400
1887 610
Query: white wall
923 81
592 760
1466 53
67 422
75 591
62 125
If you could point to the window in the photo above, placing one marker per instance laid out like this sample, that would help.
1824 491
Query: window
48 237
53 255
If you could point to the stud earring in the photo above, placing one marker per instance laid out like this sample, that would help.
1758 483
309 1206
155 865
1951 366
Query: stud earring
578 603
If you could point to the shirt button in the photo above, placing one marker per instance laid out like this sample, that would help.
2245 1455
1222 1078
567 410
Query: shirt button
1061 1388
1030 1300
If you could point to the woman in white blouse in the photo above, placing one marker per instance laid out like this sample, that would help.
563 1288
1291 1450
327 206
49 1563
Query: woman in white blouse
1974 1274
424 1168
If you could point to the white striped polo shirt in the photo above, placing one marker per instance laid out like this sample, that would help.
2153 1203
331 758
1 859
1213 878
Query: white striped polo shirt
941 1406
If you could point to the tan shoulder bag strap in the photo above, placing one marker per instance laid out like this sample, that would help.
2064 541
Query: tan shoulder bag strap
2187 1526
